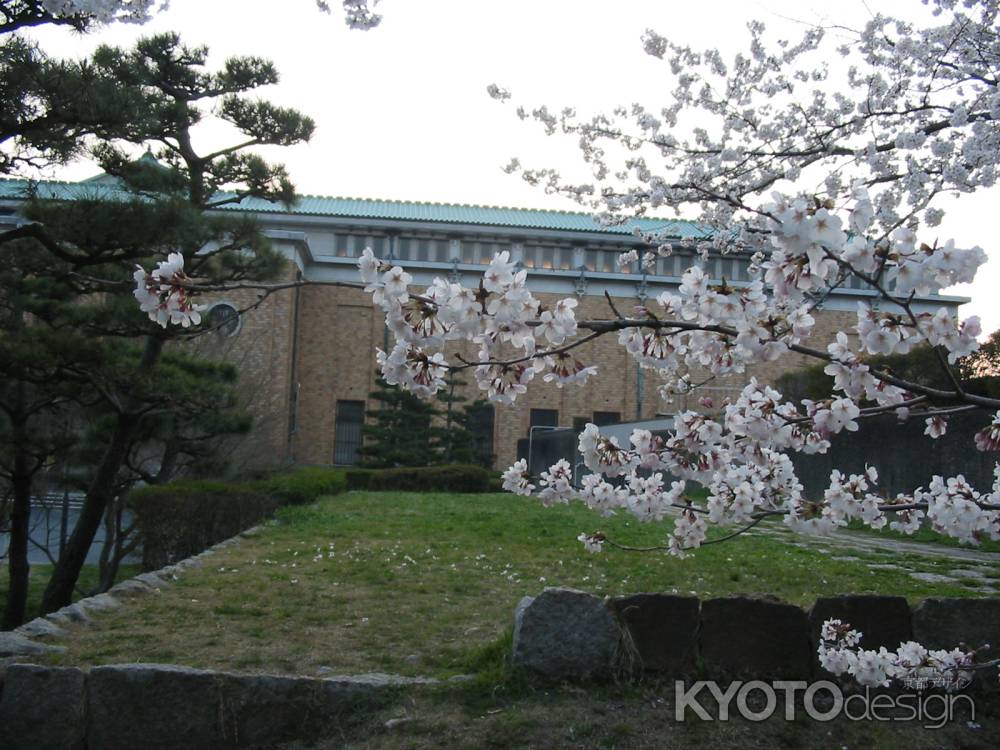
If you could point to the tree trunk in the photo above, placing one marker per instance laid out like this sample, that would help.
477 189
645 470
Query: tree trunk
168 464
59 591
20 518
119 543
107 549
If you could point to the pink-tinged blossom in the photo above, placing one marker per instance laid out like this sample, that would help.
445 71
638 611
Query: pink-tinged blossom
988 438
515 479
556 484
911 664
165 294
592 542
936 426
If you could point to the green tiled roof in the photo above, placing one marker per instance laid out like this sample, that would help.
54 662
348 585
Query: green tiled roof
445 213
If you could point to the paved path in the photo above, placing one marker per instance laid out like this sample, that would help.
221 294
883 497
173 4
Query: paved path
862 541
971 566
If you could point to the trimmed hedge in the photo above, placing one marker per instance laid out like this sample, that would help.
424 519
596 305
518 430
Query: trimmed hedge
454 478
358 479
182 518
304 485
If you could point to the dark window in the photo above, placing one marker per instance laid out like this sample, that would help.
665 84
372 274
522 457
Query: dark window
544 418
481 425
602 418
404 248
347 432
579 423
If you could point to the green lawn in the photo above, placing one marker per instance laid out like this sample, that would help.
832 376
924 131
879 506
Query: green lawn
39 577
425 584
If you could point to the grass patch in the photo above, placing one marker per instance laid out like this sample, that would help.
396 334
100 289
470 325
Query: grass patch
427 584
619 717
40 575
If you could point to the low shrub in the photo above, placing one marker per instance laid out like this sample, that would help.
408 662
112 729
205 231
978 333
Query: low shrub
358 479
180 519
454 478
304 485
495 482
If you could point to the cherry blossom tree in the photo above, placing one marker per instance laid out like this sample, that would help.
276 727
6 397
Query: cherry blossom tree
818 180
85 14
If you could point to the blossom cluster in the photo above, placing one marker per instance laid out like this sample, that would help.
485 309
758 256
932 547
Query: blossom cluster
165 294
104 11
840 653
741 456
500 316
357 13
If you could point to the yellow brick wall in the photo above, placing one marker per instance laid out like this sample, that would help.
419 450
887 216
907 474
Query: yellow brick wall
261 351
339 331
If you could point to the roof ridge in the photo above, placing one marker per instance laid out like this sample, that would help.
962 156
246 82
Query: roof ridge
45 181
398 202
451 204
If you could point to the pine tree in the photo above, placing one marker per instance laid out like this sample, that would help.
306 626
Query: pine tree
159 206
460 441
400 430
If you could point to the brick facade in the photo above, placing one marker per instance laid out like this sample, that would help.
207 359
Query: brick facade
302 351
338 331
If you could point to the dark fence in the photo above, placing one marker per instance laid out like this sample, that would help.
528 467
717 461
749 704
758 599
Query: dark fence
546 447
904 456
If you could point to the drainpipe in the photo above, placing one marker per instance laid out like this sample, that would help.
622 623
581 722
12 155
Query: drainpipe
642 294
640 391
293 396
392 257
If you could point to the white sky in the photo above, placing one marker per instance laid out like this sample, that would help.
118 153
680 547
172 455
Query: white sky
402 110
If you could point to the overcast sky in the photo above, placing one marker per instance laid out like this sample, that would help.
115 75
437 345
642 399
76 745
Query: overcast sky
402 110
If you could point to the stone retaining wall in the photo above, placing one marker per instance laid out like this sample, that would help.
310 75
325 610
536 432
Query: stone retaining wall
561 634
156 706
568 634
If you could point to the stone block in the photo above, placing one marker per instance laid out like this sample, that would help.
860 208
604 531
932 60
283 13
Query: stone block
949 622
152 580
758 637
156 707
661 630
153 706
882 620
131 587
564 633
71 614
42 708
99 603
15 644
40 628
